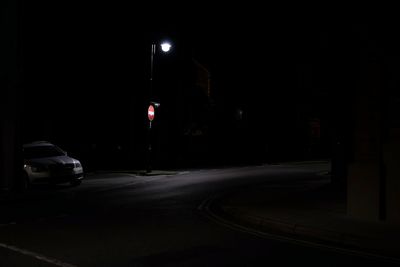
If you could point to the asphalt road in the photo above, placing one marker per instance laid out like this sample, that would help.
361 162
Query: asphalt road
122 219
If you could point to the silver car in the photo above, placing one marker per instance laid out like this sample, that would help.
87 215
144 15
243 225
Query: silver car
45 162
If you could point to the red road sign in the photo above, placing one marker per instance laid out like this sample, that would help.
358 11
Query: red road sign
150 113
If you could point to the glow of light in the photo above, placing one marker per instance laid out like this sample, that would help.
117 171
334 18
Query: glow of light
165 47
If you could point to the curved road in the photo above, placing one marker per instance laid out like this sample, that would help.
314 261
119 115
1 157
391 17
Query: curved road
117 219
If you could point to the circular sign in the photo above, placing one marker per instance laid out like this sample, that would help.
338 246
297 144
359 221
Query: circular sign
150 113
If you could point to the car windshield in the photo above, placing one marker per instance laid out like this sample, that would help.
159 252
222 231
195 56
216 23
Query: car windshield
42 152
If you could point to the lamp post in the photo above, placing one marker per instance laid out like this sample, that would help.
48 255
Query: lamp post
165 47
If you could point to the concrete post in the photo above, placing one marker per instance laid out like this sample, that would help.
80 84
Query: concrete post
365 183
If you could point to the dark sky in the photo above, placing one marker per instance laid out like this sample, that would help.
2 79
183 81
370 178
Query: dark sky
90 59
89 48
99 32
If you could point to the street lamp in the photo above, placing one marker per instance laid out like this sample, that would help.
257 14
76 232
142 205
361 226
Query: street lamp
165 47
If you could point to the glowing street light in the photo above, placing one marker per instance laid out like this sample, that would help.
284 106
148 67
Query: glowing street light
165 47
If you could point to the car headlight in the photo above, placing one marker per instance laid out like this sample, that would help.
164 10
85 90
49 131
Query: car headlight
38 168
78 165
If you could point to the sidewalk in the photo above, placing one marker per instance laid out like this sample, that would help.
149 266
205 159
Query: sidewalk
315 215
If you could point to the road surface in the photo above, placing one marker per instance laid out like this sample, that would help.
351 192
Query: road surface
123 219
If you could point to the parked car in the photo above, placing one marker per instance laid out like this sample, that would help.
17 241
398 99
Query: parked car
45 162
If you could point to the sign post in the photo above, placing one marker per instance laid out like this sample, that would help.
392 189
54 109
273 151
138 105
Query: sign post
150 116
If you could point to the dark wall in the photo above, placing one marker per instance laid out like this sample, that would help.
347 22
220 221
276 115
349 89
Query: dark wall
11 93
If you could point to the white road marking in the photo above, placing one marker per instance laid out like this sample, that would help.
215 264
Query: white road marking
37 256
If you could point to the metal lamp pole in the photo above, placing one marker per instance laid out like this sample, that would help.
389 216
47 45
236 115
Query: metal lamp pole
153 51
165 47
149 148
